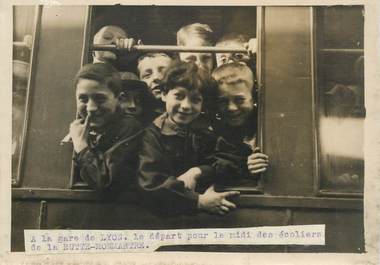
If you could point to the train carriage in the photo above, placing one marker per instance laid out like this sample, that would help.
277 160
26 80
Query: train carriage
309 68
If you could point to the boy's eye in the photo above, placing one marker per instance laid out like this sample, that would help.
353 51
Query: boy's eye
162 69
83 99
239 100
206 57
222 102
146 75
190 58
196 100
179 96
100 98
238 56
123 97
108 35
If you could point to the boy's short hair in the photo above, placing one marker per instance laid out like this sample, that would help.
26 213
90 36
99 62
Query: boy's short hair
152 55
202 31
233 73
189 76
104 73
232 37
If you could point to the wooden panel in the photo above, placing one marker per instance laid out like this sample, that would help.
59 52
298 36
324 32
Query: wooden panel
125 216
47 164
344 230
287 99
87 215
244 201
24 216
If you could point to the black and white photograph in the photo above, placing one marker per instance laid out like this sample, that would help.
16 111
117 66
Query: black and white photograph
162 117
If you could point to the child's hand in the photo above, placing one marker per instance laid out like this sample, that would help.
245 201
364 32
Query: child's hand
257 162
251 46
215 202
190 177
79 133
127 43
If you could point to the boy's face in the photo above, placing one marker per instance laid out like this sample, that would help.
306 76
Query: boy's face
183 105
108 35
223 58
202 60
152 71
235 103
130 102
97 99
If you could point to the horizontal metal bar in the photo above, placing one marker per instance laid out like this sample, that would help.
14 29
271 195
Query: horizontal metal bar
354 51
21 44
168 48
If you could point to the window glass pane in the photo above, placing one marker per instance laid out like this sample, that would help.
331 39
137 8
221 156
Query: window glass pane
340 84
343 27
23 29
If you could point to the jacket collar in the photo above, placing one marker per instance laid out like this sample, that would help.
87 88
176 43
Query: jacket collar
168 127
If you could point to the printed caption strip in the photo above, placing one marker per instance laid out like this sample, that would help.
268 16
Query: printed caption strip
95 241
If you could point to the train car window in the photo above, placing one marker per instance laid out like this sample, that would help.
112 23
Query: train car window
24 21
157 25
340 98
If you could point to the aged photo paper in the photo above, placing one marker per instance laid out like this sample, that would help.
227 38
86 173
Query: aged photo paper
317 116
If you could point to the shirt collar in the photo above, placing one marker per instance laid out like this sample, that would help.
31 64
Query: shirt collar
168 127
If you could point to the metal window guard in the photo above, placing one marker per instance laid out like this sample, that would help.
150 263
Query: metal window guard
167 48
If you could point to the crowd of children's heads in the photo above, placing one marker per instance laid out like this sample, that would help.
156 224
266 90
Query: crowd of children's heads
175 92
162 73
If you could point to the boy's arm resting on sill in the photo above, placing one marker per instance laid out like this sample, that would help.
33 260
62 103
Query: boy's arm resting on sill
114 168
161 190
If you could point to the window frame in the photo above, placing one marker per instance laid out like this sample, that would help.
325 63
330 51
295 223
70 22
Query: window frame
17 181
316 53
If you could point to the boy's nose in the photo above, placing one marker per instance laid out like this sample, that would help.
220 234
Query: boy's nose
185 104
232 107
132 104
91 106
157 77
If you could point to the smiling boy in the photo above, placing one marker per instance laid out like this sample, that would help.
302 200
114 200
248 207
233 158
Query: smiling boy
172 159
152 68
135 98
105 140
238 158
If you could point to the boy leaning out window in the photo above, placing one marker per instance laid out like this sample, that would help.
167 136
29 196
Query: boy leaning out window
173 174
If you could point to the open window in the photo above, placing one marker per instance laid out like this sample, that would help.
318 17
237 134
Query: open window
157 25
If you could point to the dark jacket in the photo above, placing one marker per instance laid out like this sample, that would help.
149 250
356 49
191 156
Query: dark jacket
109 163
232 149
167 152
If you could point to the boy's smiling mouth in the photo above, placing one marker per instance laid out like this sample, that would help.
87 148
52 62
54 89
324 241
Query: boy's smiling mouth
185 113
